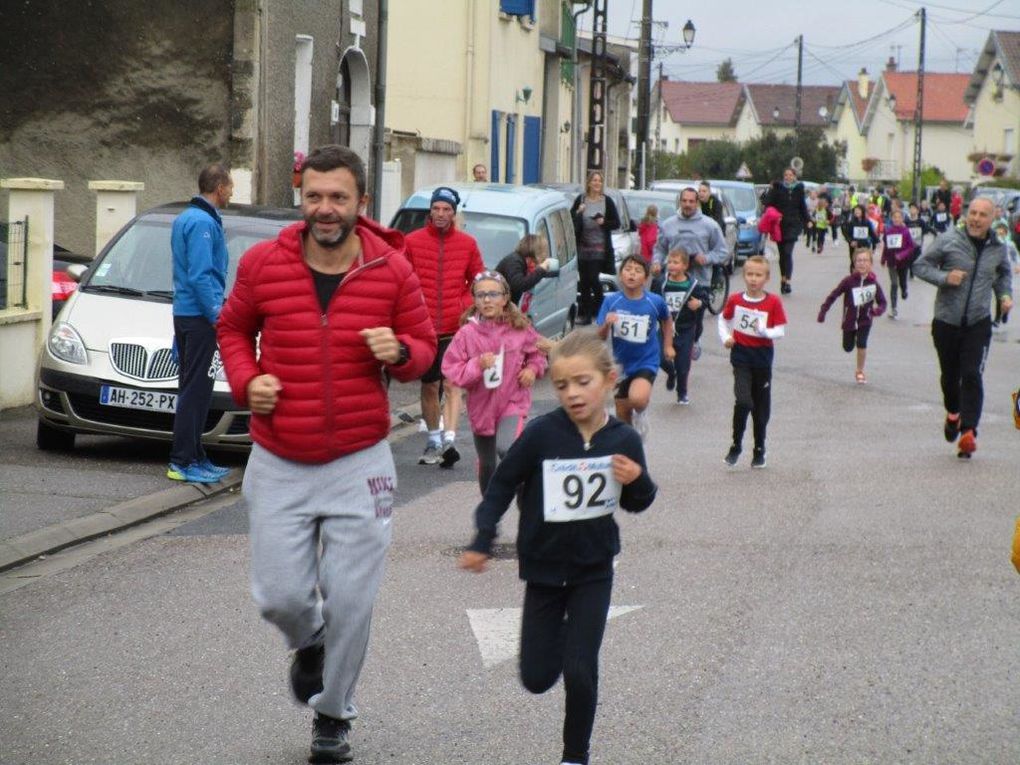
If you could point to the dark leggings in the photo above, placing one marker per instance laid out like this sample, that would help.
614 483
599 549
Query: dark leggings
962 352
786 257
561 633
752 387
683 344
492 449
897 282
588 284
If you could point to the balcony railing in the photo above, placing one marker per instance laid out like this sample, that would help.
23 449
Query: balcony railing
884 169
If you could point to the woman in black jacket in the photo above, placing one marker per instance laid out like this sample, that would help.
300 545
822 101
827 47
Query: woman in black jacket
595 218
788 198
525 267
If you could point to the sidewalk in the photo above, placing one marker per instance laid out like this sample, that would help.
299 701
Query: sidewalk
51 501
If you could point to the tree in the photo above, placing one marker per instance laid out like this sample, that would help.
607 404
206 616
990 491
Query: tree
725 73
769 155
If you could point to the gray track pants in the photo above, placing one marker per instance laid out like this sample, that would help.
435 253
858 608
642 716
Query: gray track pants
321 527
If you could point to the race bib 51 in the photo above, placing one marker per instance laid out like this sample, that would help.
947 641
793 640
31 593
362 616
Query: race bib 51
631 327
576 490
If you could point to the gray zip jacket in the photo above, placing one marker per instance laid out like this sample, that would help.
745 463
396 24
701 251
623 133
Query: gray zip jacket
698 235
954 249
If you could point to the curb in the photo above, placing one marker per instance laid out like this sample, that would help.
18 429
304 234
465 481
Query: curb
19 550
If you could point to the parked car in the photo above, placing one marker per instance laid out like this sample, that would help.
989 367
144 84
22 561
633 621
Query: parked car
63 283
748 209
107 365
498 215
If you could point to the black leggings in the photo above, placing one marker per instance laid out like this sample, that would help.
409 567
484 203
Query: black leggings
588 272
561 633
897 282
962 352
752 387
786 257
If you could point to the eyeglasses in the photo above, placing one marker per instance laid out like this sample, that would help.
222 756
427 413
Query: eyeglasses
489 295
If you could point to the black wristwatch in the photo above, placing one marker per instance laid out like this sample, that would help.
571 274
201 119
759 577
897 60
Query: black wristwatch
403 357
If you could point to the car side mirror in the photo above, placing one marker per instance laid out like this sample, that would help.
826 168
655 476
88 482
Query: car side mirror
76 271
741 221
553 267
633 225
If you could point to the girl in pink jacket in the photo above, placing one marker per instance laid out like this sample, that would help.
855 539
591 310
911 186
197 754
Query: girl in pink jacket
495 358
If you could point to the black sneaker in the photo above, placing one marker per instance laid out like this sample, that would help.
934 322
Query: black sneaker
732 455
450 456
758 458
670 380
330 739
786 289
951 429
306 672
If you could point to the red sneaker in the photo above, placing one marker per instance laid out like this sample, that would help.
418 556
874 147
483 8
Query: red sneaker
967 444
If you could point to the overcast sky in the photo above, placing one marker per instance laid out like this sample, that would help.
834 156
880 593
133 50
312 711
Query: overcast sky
837 35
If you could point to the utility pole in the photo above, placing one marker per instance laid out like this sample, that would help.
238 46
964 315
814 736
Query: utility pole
800 74
919 113
597 91
644 76
658 125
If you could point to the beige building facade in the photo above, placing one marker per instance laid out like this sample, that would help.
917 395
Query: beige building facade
993 94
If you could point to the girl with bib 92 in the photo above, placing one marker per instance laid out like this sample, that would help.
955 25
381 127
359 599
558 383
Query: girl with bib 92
495 358
573 468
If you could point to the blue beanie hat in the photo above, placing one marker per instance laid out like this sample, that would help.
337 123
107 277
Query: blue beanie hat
445 194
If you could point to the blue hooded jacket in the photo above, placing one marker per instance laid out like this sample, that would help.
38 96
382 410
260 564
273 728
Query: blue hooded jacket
200 261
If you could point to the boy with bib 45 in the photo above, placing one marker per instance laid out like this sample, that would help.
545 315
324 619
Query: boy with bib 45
573 467
748 325
642 329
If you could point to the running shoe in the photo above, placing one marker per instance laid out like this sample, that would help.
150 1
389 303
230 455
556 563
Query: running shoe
1016 408
331 739
695 351
670 380
450 455
893 314
732 456
683 401
786 289
431 455
193 473
306 671
967 444
209 467
639 421
951 428
758 458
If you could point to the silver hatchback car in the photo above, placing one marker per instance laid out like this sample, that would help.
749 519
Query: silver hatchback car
107 365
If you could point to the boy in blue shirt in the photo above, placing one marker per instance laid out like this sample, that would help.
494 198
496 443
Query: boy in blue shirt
641 326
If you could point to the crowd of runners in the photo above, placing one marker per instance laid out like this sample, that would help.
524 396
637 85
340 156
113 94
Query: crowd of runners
320 317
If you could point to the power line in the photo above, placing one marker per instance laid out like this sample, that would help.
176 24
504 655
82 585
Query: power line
898 28
762 66
985 12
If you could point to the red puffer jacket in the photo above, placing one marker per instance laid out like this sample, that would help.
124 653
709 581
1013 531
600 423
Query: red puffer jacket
333 400
445 264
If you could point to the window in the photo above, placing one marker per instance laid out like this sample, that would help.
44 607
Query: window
542 229
1009 141
561 249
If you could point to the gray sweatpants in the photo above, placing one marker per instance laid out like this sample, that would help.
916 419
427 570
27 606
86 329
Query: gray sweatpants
319 535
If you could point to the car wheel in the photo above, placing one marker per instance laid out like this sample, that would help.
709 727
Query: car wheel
50 439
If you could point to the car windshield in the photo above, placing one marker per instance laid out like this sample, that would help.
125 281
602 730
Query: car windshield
140 260
743 200
637 205
497 235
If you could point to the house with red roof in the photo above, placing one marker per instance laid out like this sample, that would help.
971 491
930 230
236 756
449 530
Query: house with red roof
693 112
848 118
993 94
774 107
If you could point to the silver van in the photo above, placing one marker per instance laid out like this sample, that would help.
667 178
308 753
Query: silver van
497 215
107 365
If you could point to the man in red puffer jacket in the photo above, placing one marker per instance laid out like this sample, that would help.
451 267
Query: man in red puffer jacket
446 261
333 304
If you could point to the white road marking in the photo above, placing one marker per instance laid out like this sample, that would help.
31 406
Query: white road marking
498 631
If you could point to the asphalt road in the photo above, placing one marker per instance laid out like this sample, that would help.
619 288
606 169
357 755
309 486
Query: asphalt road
852 603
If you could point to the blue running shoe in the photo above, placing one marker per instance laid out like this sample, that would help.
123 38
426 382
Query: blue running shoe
190 474
212 469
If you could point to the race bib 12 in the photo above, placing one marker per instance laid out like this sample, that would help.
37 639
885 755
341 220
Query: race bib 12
576 490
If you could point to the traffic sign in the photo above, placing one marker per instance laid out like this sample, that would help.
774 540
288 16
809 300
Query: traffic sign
744 172
986 166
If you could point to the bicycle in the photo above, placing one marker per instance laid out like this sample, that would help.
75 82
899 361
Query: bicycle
720 287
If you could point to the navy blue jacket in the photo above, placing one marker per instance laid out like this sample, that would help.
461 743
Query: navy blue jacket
560 553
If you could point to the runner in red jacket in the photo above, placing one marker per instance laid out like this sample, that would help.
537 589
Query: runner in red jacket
332 303
446 261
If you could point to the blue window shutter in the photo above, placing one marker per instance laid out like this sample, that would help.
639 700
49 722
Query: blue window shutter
532 149
494 147
518 7
511 146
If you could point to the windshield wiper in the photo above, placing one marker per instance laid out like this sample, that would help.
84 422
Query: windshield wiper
169 294
115 289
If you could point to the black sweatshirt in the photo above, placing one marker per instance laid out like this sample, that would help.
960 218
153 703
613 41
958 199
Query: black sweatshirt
560 553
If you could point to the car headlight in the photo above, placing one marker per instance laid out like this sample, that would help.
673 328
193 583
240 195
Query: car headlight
66 344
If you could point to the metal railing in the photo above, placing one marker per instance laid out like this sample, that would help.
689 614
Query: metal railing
13 264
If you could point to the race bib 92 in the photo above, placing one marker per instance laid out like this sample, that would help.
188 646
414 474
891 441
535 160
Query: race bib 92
576 490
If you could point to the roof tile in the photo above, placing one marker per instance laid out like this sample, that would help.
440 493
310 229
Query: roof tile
943 95
702 103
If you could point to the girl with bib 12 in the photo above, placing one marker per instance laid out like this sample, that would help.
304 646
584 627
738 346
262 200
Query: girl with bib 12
495 358
573 467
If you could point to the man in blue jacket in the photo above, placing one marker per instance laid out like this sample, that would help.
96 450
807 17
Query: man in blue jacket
200 277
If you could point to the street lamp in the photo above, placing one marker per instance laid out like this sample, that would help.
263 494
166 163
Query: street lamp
892 102
775 114
999 79
689 31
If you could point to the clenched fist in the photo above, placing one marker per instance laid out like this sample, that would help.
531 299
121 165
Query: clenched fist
383 344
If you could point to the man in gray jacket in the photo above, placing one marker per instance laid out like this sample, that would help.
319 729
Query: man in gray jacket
968 266
703 240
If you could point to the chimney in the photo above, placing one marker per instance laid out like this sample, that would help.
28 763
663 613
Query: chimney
863 83
890 65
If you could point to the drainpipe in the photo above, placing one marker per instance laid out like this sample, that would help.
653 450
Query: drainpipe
469 104
576 174
379 137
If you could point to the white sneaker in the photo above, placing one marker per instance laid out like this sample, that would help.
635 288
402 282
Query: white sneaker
639 421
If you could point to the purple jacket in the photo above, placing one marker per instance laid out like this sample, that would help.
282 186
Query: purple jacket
486 405
855 317
897 256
